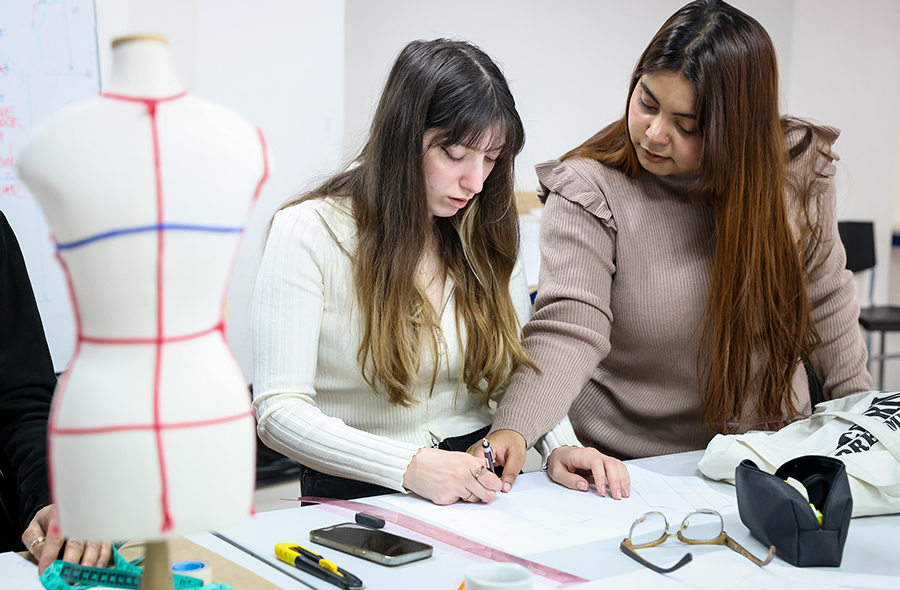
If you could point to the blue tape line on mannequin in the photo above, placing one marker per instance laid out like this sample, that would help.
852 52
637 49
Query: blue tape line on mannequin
148 228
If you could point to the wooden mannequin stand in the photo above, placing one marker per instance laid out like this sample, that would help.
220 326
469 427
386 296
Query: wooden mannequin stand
157 574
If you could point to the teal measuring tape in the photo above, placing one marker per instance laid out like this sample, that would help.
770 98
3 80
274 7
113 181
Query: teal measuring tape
69 576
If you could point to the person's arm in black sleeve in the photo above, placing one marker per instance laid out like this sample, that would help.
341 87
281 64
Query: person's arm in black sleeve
27 381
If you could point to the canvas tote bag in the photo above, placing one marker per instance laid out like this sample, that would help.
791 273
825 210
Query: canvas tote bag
862 430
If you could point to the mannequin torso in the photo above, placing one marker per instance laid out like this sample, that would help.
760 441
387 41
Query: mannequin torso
146 189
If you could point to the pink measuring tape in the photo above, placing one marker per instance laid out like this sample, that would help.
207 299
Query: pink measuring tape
445 536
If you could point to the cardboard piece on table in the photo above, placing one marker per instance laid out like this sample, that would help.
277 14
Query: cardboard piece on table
223 570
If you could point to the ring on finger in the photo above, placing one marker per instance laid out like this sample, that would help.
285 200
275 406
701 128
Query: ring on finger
36 542
478 472
469 497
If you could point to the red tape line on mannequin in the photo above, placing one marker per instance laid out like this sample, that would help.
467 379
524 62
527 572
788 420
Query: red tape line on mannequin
445 536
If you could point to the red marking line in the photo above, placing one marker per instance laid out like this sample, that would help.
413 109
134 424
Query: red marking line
151 104
8 119
11 190
265 156
10 160
167 524
149 101
157 426
57 400
220 327
153 426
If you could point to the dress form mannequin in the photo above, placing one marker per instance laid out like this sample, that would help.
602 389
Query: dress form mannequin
147 189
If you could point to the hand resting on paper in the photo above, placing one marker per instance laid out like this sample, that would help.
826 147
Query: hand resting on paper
445 477
45 524
566 465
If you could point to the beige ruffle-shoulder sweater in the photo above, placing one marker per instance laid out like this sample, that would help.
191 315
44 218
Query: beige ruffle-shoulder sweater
625 270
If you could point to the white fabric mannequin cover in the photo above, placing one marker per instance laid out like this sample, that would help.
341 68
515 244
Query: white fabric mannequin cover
146 189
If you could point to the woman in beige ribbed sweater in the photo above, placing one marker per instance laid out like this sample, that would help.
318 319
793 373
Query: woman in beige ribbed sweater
690 261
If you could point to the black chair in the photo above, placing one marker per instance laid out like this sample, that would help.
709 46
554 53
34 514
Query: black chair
858 238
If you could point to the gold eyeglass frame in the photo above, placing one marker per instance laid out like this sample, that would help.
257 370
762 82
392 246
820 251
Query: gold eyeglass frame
629 548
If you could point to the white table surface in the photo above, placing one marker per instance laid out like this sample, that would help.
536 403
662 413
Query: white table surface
873 546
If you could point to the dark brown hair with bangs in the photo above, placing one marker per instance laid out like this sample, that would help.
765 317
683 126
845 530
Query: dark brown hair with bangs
454 88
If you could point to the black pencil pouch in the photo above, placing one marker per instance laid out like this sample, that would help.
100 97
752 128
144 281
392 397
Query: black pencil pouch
777 513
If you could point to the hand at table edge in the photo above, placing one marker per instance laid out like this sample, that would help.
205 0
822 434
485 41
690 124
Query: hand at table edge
46 524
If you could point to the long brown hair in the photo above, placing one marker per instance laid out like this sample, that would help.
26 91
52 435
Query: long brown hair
456 89
757 324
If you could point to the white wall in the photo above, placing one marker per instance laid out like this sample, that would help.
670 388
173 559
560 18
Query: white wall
281 63
309 72
568 62
844 73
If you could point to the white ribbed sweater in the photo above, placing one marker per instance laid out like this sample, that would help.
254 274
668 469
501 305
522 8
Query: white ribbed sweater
625 267
311 401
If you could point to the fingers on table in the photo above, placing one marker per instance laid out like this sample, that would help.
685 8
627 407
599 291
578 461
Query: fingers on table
47 552
93 553
618 478
612 471
34 543
511 470
567 477
482 486
567 464
75 549
105 555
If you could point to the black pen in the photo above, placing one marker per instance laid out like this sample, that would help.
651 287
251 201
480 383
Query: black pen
313 563
488 455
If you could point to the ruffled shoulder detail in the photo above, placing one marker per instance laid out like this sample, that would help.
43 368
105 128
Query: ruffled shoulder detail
812 159
576 180
810 177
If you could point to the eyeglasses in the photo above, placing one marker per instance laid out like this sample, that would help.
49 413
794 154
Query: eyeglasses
700 527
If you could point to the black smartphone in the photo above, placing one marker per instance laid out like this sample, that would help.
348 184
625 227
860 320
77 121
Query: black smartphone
372 544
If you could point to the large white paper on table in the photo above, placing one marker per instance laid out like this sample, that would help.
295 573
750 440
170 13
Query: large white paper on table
19 573
539 515
727 570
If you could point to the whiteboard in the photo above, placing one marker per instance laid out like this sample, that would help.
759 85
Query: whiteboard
48 60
